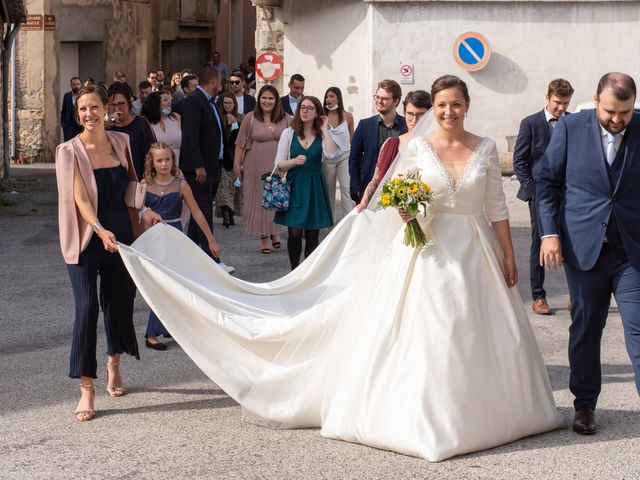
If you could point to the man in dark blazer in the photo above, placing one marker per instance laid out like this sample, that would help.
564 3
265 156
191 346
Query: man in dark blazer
246 102
202 149
533 138
371 133
70 127
296 91
589 210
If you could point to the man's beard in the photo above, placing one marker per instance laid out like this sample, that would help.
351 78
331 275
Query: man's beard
606 127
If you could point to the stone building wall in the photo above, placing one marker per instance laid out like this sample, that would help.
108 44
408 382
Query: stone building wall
128 35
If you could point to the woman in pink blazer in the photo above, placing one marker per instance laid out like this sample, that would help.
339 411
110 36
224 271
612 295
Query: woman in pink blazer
91 172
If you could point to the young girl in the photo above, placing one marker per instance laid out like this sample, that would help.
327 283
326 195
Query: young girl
165 193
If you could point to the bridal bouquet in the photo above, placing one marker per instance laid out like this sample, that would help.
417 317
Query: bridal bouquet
409 192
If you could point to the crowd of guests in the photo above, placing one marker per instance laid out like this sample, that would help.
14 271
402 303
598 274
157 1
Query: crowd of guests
250 128
199 139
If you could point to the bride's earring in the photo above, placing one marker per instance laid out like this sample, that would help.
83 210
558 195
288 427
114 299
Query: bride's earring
466 114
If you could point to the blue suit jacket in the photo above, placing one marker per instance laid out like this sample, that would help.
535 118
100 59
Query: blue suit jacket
286 104
70 127
200 135
533 139
574 196
364 152
249 103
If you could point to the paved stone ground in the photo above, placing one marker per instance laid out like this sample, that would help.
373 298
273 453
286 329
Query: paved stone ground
175 423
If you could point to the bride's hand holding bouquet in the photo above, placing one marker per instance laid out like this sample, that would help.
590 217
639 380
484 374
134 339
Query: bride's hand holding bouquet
409 194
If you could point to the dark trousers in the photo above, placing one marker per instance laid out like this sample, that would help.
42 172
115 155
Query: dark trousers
155 327
294 244
115 296
591 295
204 193
536 272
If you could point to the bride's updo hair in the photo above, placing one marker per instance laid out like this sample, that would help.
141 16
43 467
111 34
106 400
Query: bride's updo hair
449 81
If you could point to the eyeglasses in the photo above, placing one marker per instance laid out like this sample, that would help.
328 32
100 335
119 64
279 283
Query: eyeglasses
234 82
382 99
411 115
307 108
117 105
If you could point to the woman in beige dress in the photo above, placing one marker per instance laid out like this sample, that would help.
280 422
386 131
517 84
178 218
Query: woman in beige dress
255 152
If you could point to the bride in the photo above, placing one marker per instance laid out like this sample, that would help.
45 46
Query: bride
426 352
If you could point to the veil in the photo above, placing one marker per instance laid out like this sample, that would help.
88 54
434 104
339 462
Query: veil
402 161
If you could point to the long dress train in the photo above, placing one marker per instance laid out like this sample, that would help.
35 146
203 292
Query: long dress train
422 351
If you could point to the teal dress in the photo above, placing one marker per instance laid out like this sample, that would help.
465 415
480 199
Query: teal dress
309 206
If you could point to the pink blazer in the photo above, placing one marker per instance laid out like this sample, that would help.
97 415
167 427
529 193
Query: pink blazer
75 233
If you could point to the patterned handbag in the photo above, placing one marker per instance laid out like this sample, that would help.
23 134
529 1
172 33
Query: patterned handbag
275 191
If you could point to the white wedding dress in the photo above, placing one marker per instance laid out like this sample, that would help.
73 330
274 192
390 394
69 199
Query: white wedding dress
425 352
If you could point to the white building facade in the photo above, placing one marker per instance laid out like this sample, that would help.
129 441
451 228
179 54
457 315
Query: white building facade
353 44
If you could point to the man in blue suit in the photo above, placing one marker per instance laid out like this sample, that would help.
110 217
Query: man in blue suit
70 127
589 210
202 150
371 133
533 139
296 91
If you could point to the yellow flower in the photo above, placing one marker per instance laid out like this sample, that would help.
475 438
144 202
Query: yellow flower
426 187
397 181
386 199
401 191
413 188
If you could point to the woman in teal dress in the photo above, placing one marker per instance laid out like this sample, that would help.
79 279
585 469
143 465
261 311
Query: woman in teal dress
300 151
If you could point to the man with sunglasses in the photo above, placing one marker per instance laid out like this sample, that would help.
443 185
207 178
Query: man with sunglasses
371 133
246 102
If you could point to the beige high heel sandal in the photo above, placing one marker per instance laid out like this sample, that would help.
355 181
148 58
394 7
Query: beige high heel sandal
114 392
86 415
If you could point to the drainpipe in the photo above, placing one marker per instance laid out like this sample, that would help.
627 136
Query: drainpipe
13 100
7 46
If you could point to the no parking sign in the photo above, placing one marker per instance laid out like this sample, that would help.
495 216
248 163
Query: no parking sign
406 74
471 51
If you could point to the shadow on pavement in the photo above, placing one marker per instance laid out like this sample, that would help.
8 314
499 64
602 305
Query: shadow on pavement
613 425
221 402
182 391
559 375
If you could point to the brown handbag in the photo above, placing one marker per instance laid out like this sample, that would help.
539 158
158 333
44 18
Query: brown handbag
136 191
134 198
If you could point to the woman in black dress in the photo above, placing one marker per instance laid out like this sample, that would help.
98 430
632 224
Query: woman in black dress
122 120
92 176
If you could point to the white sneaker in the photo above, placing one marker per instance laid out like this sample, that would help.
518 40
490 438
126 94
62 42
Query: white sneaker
227 268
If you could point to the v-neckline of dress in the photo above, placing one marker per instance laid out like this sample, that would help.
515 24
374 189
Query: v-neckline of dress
306 149
454 184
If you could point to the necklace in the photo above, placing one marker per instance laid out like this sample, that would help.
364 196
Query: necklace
308 140
162 186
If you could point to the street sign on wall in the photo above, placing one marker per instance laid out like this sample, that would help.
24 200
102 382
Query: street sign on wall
268 66
34 22
471 51
406 74
49 22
